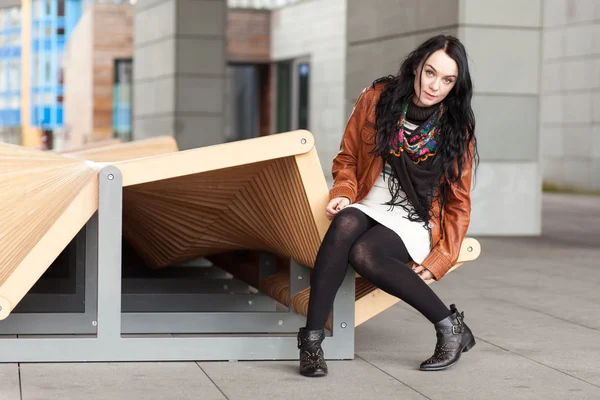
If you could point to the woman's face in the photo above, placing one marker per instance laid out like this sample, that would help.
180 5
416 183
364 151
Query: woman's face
437 78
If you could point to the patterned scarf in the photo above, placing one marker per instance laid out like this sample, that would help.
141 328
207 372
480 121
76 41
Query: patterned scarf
420 145
414 168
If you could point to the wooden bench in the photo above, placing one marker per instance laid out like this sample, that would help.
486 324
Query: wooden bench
114 150
46 199
264 194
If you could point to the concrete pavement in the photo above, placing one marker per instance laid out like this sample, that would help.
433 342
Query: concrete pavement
533 304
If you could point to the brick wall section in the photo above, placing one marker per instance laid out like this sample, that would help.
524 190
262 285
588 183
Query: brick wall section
248 38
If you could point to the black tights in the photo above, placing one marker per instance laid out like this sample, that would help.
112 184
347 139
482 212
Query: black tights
378 255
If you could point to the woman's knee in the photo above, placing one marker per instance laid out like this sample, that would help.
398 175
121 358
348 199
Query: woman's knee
349 219
361 255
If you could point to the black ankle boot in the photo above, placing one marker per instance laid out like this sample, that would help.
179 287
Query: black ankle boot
312 362
453 338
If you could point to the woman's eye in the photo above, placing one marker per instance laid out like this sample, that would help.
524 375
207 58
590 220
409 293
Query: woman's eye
429 72
448 81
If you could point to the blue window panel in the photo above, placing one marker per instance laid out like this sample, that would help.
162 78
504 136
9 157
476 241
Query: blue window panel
41 45
15 30
59 116
41 117
122 118
47 42
47 116
10 117
16 117
10 52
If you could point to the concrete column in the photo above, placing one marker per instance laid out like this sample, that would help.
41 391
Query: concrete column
179 69
504 50
570 122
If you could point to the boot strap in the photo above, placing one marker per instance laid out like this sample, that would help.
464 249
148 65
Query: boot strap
454 329
310 336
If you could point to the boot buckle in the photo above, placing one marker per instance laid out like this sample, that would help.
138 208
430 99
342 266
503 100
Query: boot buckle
456 329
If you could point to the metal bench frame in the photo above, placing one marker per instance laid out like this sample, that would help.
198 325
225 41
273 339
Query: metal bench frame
219 335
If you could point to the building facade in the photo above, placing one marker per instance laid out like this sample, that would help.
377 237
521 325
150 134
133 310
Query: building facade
207 72
33 35
10 72
98 63
569 121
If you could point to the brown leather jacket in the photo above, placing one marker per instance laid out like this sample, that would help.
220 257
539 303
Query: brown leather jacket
355 171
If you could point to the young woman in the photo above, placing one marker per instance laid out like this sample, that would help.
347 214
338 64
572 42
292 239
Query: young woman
401 193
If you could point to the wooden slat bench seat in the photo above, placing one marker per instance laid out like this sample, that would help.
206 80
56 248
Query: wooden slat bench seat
46 199
262 194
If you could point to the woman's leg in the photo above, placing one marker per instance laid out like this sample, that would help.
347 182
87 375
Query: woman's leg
327 277
381 257
331 263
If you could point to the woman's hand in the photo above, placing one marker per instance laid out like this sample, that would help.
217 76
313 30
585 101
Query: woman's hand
423 272
335 206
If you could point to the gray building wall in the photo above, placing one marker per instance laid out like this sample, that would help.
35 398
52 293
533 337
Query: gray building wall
179 70
10 3
504 54
570 121
317 30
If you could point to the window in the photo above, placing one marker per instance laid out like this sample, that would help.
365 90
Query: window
15 17
36 7
303 87
244 104
292 89
47 68
122 99
3 71
14 75
284 92
36 69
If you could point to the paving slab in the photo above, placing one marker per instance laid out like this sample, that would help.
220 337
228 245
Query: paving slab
351 379
399 339
116 381
9 376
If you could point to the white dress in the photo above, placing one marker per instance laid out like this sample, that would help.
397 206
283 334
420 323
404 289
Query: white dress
415 235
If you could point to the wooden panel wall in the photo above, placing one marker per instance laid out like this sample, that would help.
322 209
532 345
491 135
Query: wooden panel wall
113 39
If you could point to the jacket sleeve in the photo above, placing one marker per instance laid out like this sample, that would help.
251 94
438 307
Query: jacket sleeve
344 164
455 222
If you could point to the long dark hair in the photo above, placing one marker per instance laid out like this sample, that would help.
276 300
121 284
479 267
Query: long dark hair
458 121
